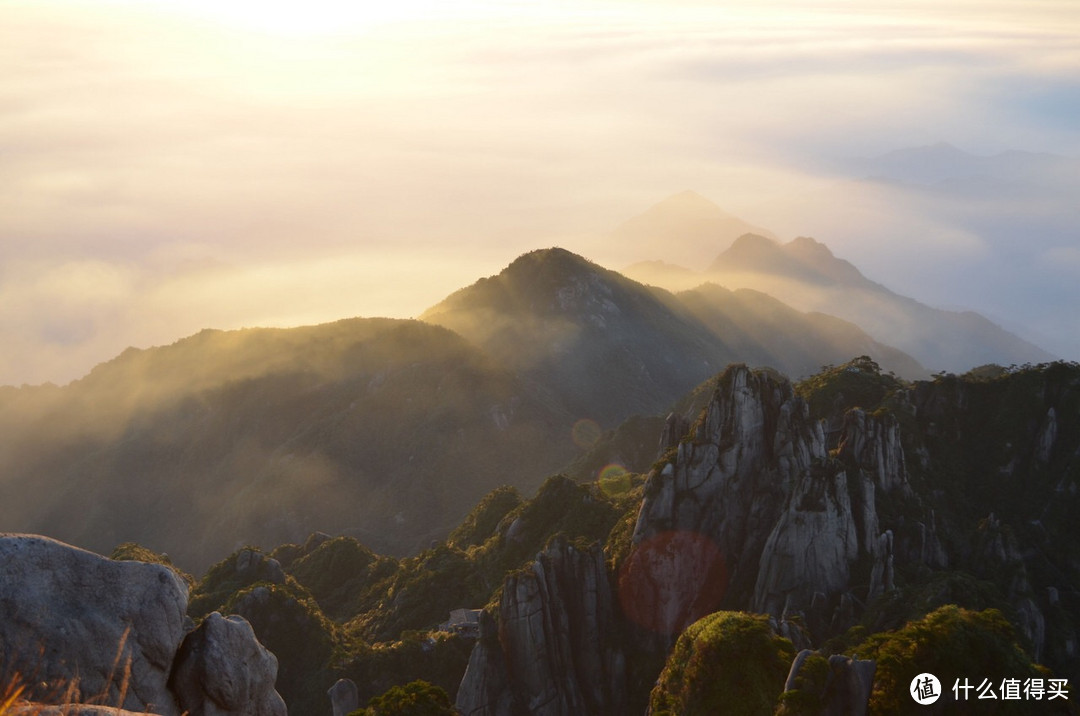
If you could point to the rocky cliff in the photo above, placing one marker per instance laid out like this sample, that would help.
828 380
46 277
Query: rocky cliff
851 499
781 523
551 651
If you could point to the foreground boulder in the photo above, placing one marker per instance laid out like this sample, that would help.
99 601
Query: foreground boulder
73 616
100 633
223 669
31 709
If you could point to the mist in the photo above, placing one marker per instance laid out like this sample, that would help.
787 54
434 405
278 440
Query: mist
173 166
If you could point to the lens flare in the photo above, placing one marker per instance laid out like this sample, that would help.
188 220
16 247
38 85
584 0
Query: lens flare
612 471
585 433
671 580
614 480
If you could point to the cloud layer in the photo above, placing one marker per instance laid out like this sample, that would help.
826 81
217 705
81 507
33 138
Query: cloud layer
169 166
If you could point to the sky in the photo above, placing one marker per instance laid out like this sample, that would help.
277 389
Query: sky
168 166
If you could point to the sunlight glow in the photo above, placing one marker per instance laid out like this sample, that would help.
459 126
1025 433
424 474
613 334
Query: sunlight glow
289 17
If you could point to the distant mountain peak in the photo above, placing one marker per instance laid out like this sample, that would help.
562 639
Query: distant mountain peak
689 197
805 246
937 149
685 228
803 258
754 241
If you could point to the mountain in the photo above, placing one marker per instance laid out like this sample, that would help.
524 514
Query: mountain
853 544
850 524
850 531
609 347
996 234
805 273
943 165
388 430
385 429
801 259
765 331
688 226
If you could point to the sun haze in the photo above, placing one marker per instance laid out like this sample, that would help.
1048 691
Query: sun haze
171 166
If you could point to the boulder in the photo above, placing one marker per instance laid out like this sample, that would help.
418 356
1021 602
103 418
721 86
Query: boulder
31 709
344 697
222 670
74 617
842 690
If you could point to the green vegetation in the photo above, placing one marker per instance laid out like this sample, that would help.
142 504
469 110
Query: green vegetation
923 593
386 610
416 698
810 684
859 383
481 522
421 593
974 444
631 446
341 574
223 580
952 643
288 622
727 662
133 552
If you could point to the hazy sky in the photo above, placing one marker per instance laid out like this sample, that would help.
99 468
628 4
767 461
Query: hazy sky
169 166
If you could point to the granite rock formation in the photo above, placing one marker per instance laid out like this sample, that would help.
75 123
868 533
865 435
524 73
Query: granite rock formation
83 628
71 614
553 652
222 670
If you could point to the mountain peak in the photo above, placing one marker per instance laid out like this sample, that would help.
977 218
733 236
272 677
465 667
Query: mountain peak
806 246
543 280
685 228
804 259
690 198
751 241
552 259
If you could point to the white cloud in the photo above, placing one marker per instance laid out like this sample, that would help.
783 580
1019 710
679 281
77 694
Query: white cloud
157 143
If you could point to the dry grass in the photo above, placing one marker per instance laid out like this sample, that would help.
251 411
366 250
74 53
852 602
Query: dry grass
10 696
14 690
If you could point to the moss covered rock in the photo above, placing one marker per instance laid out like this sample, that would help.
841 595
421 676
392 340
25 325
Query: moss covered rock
727 662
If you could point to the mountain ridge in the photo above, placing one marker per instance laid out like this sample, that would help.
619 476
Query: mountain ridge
203 442
805 273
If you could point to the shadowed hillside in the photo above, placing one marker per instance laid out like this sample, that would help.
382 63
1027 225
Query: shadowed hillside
610 347
385 429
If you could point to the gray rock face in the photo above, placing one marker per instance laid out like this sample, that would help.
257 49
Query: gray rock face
812 545
485 690
344 697
873 443
846 689
70 613
252 566
116 630
222 670
552 655
754 512
725 490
